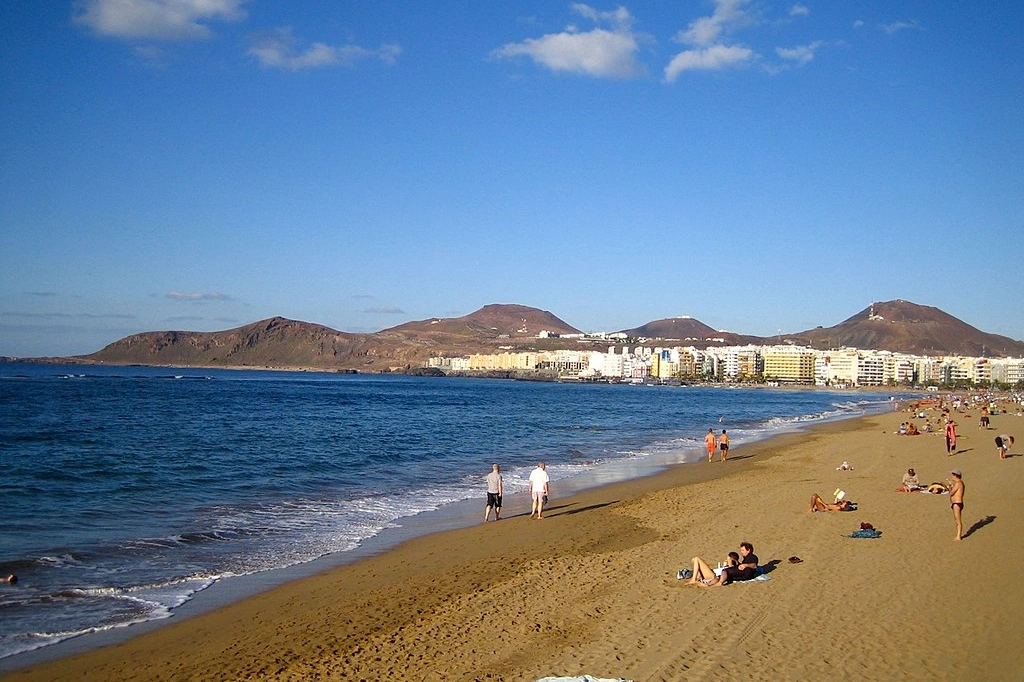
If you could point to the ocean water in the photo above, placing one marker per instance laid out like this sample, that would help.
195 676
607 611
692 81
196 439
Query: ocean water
128 490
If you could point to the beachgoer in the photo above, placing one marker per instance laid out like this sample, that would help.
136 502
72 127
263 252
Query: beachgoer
910 482
744 568
950 437
539 490
818 504
723 446
1003 444
956 501
11 579
710 442
495 489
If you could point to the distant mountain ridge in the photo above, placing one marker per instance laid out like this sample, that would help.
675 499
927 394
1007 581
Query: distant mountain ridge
910 328
497 319
898 326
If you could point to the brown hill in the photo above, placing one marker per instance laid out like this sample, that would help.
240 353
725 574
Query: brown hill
690 331
279 342
905 327
896 326
493 321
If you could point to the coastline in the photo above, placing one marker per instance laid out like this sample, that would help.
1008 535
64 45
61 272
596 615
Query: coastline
591 589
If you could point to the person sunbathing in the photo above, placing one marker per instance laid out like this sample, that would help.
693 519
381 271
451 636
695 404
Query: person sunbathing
818 504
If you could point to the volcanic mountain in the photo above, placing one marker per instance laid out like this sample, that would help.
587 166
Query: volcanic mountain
690 331
492 321
898 326
905 327
280 342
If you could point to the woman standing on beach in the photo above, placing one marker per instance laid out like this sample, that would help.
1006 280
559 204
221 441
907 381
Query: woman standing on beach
950 436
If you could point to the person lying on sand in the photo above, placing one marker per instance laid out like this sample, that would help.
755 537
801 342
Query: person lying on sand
818 504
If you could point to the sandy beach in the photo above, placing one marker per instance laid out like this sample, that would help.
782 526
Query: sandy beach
592 588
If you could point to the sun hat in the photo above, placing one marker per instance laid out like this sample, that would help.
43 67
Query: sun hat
956 472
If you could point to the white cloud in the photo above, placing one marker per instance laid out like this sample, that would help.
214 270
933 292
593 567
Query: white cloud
799 11
802 54
599 52
707 30
277 50
707 59
183 296
708 51
156 19
897 26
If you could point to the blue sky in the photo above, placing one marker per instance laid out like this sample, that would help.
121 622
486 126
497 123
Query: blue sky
758 165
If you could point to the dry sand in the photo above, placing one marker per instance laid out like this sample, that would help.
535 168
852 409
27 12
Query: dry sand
591 589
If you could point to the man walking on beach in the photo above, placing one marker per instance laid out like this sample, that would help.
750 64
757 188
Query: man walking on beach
723 446
539 490
495 489
709 441
956 501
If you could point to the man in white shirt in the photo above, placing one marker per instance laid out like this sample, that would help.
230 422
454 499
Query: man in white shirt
495 489
539 490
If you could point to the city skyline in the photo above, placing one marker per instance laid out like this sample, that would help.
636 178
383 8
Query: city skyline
762 167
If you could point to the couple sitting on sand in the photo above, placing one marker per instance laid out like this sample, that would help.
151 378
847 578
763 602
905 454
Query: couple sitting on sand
736 567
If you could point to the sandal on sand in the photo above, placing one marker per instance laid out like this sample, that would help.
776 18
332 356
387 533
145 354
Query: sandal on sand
684 574
795 560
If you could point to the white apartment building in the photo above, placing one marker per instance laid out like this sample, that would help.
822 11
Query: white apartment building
1007 370
870 370
785 364
837 367
738 362
610 364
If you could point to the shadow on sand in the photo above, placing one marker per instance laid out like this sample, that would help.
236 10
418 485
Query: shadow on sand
978 525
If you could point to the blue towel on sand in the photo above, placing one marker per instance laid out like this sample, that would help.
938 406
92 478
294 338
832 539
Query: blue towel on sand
865 533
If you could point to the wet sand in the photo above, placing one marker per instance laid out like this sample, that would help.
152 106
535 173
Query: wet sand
591 589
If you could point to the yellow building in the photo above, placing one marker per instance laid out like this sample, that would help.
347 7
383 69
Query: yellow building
789 364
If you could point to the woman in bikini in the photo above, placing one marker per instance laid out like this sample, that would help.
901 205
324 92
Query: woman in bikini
818 504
